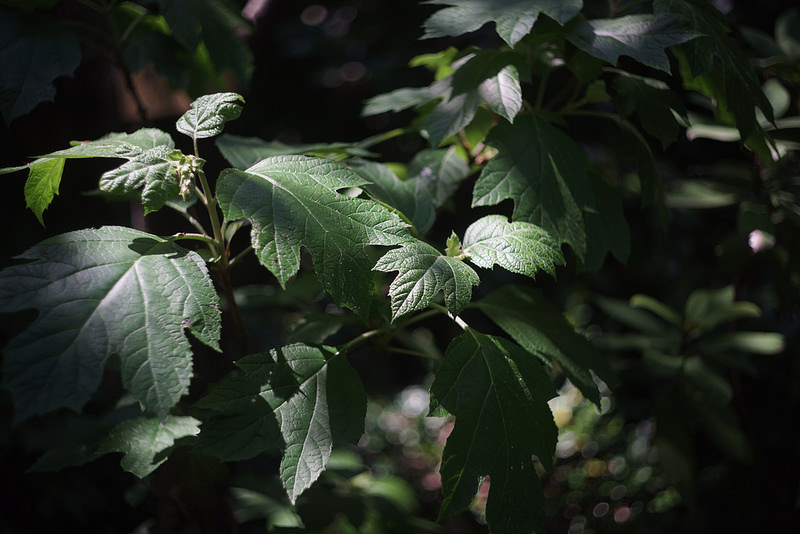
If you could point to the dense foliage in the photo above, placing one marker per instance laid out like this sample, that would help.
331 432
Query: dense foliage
531 302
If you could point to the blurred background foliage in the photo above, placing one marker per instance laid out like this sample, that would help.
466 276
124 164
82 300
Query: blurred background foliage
702 323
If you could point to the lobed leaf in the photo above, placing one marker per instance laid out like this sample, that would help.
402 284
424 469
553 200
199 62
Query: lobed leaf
519 247
541 329
243 152
653 103
302 400
544 172
209 113
643 37
423 272
152 170
442 170
498 394
103 292
293 202
513 19
42 184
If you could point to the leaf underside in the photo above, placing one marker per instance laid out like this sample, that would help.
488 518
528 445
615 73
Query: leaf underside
101 292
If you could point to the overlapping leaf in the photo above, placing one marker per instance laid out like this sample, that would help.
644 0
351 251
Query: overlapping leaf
653 103
293 202
302 400
644 37
101 292
544 172
151 170
538 327
209 113
513 19
423 273
606 227
443 170
519 247
242 152
498 394
411 197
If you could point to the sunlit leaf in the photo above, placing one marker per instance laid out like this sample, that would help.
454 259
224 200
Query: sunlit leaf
209 113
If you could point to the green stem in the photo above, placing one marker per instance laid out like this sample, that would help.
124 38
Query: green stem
211 206
456 319
541 89
239 257
195 237
360 339
398 350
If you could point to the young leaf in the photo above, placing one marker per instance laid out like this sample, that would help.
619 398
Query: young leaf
300 399
411 197
153 170
292 201
513 19
34 51
101 292
243 152
519 247
117 145
144 438
498 394
42 184
644 37
544 172
423 273
542 330
209 113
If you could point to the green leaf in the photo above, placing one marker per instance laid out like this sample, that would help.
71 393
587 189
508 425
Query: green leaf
152 170
544 172
144 439
209 113
657 307
405 98
243 152
292 201
644 37
754 342
716 66
653 103
117 145
422 273
606 228
708 308
513 19
498 394
541 329
411 197
42 184
98 292
303 400
35 50
519 247
443 170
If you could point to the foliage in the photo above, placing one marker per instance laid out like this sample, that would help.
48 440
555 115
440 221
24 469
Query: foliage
371 257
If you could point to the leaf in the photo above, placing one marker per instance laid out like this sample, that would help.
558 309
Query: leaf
144 439
242 152
404 98
513 19
715 66
117 145
422 273
606 228
643 37
303 400
411 197
519 247
292 201
153 170
498 394
42 184
709 308
754 342
35 50
541 329
653 103
442 170
544 172
101 292
209 113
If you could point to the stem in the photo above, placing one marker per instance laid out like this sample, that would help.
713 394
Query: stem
211 206
239 257
398 350
360 339
458 320
541 89
195 237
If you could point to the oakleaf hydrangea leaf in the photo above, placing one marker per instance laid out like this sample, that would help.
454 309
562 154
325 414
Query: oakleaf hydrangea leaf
541 329
153 170
142 439
109 291
209 113
513 19
442 170
42 184
411 197
117 145
643 37
242 152
423 273
544 172
293 202
498 394
654 104
302 400
520 247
